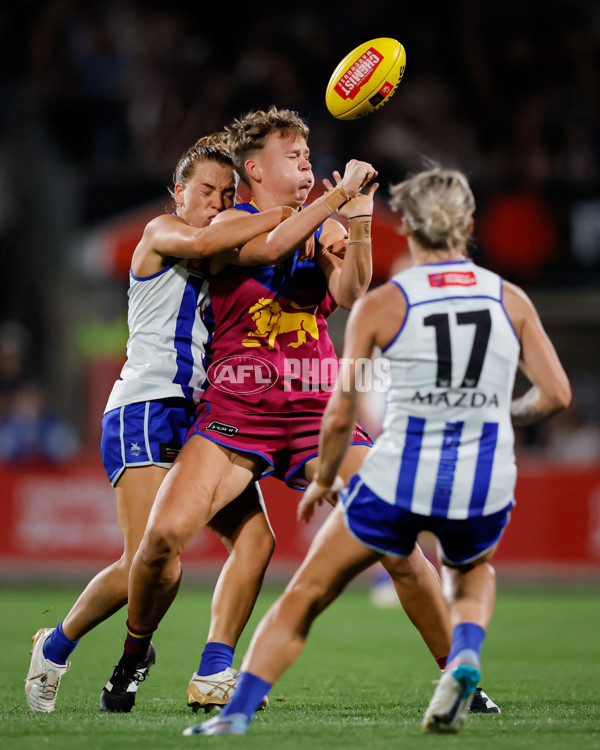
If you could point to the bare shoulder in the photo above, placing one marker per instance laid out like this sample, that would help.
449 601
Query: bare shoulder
383 296
517 304
160 222
383 309
157 221
163 238
514 295
146 258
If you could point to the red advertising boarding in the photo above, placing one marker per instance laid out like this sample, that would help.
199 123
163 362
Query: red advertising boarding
60 522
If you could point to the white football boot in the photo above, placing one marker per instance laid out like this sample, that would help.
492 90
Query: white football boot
214 690
211 690
449 707
44 676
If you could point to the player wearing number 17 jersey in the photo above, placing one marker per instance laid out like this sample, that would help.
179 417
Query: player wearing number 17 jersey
454 335
450 398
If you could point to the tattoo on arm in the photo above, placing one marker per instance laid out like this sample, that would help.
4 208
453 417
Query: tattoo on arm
526 410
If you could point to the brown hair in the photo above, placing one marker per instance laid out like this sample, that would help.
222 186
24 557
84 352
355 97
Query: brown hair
250 132
210 148
438 205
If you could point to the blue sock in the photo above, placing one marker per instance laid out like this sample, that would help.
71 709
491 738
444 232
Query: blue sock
58 647
215 658
466 635
248 696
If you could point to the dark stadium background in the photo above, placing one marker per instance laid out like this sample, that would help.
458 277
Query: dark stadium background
99 100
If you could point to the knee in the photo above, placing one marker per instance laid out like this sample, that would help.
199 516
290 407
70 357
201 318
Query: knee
122 568
255 551
310 598
160 546
265 547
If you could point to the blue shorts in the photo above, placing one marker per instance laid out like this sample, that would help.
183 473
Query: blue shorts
392 530
144 434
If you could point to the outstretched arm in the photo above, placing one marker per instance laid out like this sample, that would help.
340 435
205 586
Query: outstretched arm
285 239
169 236
550 391
172 236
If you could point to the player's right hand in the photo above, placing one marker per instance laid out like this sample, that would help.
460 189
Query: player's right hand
356 175
315 494
361 204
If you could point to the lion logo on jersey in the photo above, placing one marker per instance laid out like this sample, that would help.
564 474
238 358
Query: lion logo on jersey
271 320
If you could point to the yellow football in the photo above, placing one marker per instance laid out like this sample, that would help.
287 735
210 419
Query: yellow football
365 79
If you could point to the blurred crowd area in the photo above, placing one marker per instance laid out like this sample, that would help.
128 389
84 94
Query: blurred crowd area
100 99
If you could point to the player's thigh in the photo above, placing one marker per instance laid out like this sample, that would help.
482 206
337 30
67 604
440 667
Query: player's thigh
333 560
243 523
204 478
414 564
135 493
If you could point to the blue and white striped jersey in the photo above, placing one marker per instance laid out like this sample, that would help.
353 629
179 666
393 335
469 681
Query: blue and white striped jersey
447 446
168 343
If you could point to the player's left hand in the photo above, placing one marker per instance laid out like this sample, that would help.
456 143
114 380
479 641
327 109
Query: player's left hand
315 494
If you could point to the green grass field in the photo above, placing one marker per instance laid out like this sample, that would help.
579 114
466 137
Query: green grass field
363 681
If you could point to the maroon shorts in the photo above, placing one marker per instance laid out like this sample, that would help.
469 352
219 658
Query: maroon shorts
285 441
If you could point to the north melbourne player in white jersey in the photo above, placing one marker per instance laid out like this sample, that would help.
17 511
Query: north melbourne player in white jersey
168 341
151 409
447 443
444 463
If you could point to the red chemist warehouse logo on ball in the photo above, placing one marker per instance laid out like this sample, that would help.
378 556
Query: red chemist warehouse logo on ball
452 278
358 74
243 374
